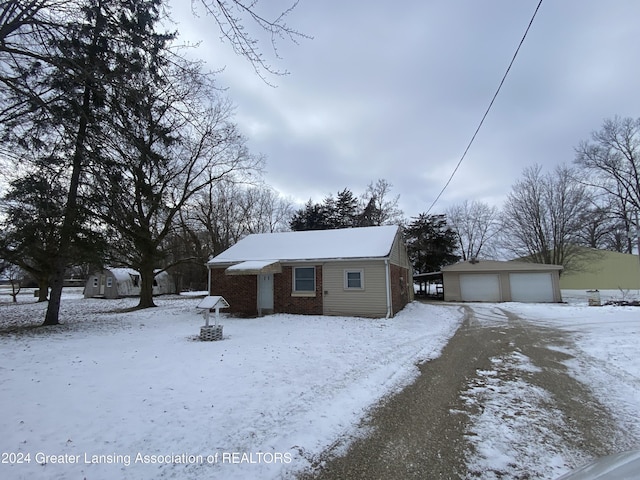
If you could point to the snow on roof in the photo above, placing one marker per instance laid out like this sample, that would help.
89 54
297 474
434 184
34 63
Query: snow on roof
122 273
497 265
362 242
125 273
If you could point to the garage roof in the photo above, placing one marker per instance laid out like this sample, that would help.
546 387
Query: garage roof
497 266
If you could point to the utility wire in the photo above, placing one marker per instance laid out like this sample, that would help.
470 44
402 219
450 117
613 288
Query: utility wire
488 108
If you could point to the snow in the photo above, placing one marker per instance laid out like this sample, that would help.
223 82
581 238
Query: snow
363 242
510 445
250 266
110 384
135 394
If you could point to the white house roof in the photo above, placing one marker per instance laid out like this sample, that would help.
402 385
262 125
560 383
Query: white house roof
345 243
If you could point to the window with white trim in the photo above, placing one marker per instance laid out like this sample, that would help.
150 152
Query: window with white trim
354 279
304 279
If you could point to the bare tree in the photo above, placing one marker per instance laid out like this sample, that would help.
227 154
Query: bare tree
612 155
379 207
15 275
476 225
234 17
226 211
172 138
266 210
541 218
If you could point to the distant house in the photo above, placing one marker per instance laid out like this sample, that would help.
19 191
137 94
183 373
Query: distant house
355 271
495 281
603 270
124 282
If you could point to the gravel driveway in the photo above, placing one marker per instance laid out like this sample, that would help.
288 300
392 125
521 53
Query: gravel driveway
426 430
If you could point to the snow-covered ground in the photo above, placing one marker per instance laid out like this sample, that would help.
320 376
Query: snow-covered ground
134 394
102 395
516 434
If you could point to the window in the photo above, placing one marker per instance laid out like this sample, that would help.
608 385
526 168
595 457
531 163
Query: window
354 279
109 282
304 279
95 282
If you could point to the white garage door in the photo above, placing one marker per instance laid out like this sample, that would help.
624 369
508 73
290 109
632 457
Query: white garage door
480 287
531 287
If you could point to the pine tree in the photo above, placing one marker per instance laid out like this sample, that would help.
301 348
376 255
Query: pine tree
430 243
69 85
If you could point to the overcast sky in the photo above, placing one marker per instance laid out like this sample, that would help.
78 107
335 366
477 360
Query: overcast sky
395 90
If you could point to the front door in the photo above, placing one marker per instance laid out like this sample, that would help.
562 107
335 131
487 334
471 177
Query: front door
265 293
102 284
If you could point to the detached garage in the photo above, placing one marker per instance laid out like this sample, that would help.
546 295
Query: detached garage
495 281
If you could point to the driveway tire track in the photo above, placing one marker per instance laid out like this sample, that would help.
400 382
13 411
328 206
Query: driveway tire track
423 431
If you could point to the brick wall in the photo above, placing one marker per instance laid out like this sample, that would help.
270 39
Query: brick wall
283 302
400 283
241 291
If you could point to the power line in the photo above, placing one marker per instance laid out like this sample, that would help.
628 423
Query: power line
488 108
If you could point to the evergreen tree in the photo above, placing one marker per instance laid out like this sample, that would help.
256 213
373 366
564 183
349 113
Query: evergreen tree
101 46
344 211
31 230
346 206
312 217
430 243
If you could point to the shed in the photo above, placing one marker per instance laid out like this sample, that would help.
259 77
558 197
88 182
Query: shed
501 281
124 282
353 271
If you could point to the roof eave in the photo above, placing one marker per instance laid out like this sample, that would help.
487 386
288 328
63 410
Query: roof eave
228 263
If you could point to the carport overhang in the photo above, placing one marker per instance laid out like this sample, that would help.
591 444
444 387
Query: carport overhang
427 277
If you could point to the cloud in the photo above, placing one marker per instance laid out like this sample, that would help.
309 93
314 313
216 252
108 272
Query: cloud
396 91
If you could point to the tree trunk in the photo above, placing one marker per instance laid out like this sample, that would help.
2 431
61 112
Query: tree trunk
43 288
146 286
69 224
15 290
53 308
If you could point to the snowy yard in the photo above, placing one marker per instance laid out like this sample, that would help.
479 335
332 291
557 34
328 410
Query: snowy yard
110 390
114 394
517 431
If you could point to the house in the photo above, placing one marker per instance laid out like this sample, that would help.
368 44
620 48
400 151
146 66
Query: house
497 281
124 282
603 270
353 271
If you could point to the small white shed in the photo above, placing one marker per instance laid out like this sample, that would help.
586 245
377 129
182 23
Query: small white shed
124 282
496 281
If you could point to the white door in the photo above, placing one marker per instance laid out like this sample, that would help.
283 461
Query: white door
265 293
480 287
102 284
531 287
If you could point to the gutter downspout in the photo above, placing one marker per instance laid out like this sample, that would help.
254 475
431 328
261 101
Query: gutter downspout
388 285
208 279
